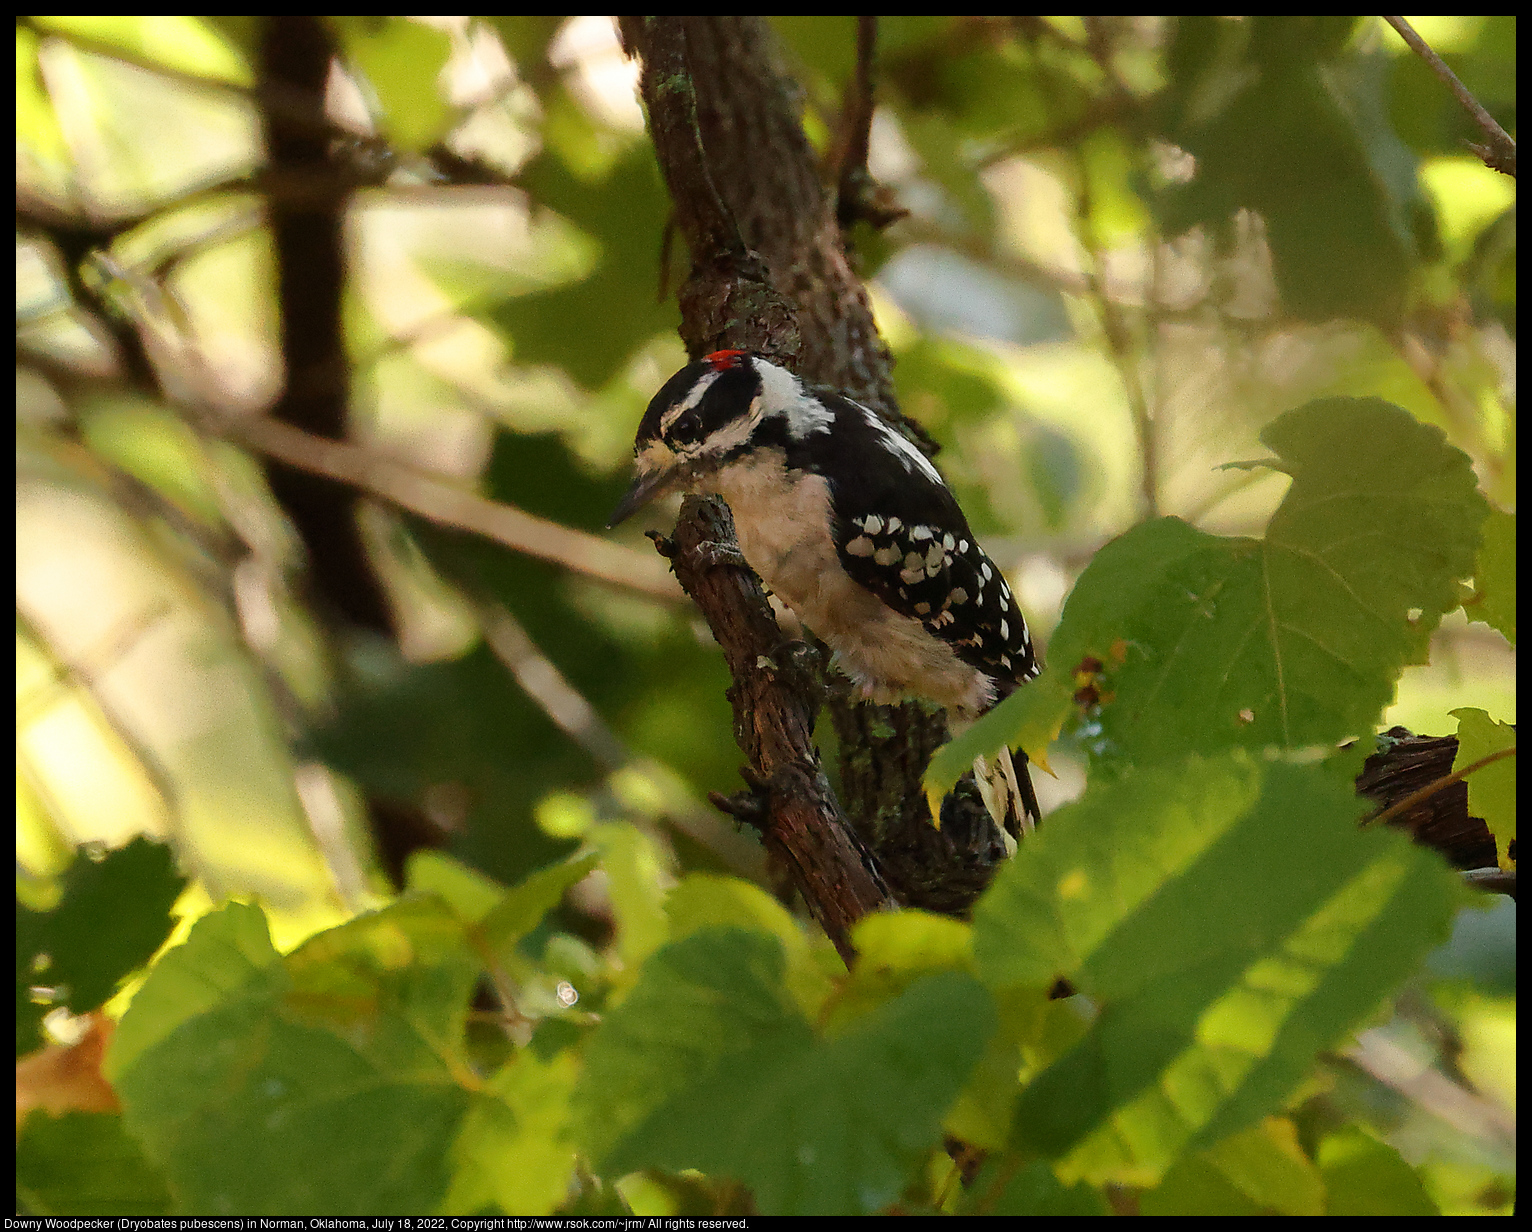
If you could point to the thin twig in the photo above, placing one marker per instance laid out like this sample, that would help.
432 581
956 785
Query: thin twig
546 685
1499 154
1120 343
541 679
1430 789
1465 1110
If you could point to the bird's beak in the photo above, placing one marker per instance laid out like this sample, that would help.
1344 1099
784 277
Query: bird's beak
648 485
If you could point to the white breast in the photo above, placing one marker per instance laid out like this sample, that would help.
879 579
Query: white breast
782 520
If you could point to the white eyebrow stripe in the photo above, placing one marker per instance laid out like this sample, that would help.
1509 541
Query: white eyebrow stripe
694 396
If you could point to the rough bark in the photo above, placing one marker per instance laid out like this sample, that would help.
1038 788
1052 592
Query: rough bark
770 274
775 698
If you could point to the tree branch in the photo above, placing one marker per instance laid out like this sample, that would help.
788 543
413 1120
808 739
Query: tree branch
1499 153
296 52
1410 779
858 195
731 147
438 501
775 700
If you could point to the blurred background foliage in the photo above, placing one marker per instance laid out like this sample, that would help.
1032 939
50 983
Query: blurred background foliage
1130 243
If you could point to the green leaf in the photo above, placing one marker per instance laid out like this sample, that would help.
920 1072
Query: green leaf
1366 1177
325 1082
1333 182
624 210
225 951
466 890
1292 640
698 1001
706 1066
181 43
402 61
1492 789
1035 1190
1121 574
37 126
68 948
524 905
1231 920
1260 1171
637 883
705 900
82 1163
1035 1030
514 1149
894 949
1494 598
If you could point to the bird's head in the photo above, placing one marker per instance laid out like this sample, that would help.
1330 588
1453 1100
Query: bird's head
705 416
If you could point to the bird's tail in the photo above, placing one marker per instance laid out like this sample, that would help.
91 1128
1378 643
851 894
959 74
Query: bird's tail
1006 788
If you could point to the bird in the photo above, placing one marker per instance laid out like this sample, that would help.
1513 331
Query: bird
854 529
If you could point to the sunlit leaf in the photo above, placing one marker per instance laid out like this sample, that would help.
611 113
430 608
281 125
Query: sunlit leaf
734 1082
1231 920
182 44
1491 789
1259 1171
327 1081
514 1148
1366 1177
1035 1190
1494 599
402 61
1202 642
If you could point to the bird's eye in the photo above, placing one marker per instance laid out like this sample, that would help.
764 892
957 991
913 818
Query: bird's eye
687 426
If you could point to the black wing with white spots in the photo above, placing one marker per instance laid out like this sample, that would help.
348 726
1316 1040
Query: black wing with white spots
900 533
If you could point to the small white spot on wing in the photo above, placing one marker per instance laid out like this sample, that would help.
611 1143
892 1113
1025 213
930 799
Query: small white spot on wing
887 556
872 524
860 546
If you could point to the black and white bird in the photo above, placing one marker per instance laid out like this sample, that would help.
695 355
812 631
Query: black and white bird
854 529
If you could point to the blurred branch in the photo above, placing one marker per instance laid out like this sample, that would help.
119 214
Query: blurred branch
1466 1111
1499 153
542 681
440 502
1119 339
1441 784
297 53
858 195
85 670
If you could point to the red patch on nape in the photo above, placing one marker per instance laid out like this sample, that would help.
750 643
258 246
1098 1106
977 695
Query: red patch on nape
722 360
